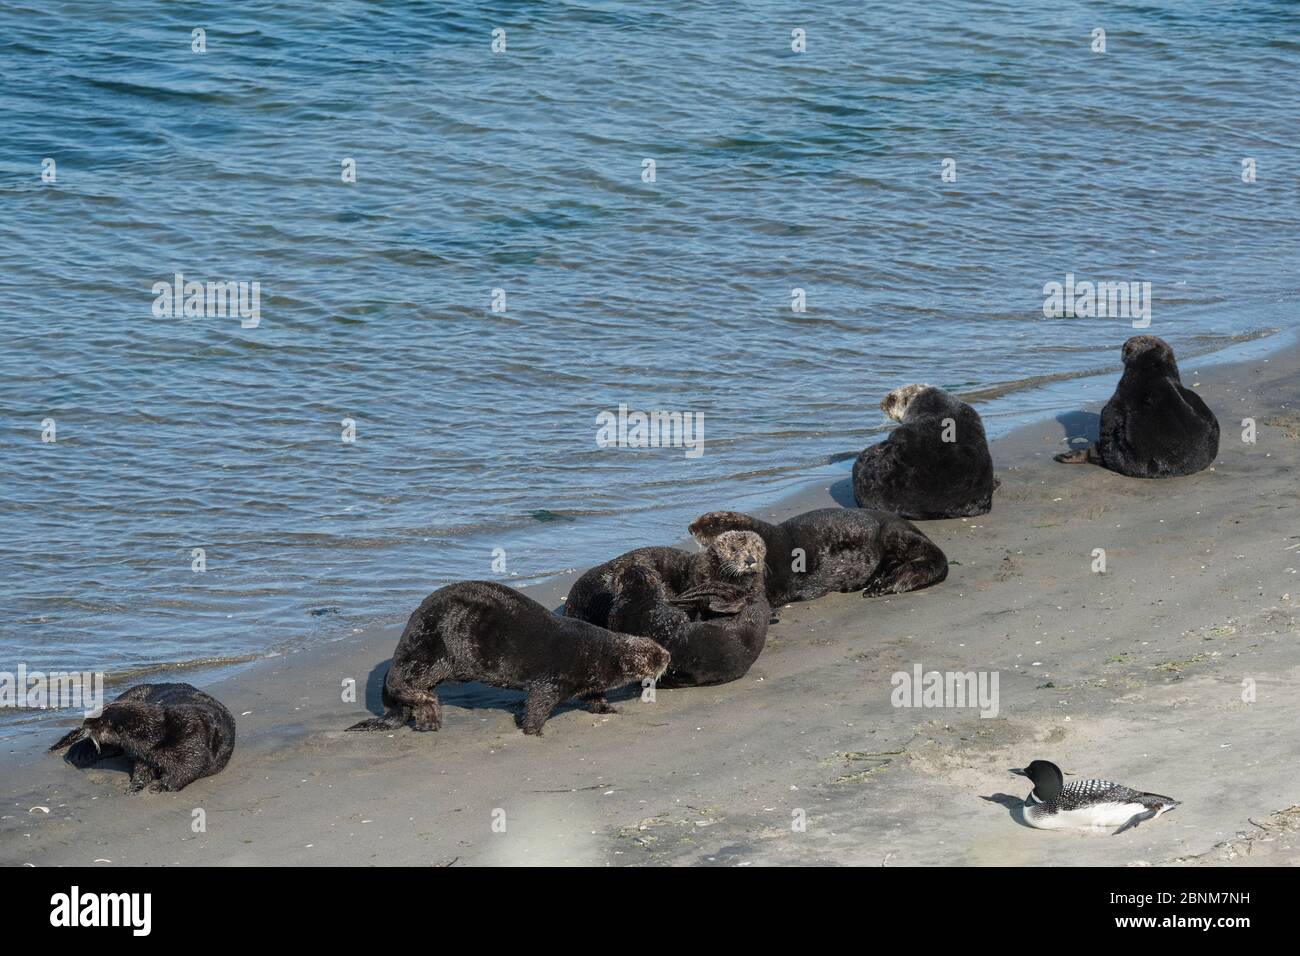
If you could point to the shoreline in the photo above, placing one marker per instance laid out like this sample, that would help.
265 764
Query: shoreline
999 422
1134 675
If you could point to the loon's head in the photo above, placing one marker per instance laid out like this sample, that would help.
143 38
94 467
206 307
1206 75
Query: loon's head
1047 778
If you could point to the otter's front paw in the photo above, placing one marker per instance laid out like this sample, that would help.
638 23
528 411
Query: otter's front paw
531 727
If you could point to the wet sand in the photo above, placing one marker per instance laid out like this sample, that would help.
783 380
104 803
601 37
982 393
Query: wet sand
1136 675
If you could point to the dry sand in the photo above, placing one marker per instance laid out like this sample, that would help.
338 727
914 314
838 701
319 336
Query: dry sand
1135 675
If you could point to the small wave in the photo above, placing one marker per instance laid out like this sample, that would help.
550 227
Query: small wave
1210 343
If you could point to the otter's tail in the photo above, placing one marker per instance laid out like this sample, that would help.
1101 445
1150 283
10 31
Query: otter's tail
395 717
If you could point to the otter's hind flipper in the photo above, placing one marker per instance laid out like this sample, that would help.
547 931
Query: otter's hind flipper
714 605
911 561
726 608
909 576
715 597
397 717
1080 456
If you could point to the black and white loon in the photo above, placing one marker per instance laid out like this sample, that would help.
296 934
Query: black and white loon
1089 804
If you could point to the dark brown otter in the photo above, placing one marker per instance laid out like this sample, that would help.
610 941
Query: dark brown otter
835 549
484 631
590 596
714 631
1153 426
935 464
171 733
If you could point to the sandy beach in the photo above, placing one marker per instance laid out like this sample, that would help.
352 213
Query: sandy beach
1136 674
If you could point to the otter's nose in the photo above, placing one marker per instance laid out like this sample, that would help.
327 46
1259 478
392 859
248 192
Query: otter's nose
750 562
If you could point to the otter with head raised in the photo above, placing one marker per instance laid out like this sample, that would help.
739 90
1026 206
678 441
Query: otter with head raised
714 632
487 632
935 464
835 549
1153 426
172 734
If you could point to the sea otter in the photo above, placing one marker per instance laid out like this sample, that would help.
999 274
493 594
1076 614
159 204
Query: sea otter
1153 426
935 464
713 632
171 733
487 632
835 549
590 596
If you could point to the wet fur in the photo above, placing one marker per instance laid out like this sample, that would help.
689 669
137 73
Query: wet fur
1153 426
487 632
707 647
845 549
172 734
590 596
914 473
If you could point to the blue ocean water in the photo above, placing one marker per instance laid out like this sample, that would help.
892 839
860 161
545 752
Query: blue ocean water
524 171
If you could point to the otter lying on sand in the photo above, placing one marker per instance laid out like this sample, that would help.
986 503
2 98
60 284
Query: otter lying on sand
714 631
835 549
172 734
487 632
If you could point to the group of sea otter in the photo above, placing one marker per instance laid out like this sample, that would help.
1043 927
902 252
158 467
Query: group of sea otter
688 619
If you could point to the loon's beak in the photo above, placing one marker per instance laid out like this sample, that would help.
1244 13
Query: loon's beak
1018 772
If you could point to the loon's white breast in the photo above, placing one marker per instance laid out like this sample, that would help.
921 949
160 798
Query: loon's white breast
1097 816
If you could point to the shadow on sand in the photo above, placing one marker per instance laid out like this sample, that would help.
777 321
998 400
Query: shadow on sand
475 696
842 493
1081 428
1014 805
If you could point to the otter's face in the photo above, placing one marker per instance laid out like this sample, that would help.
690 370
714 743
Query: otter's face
739 553
1148 349
897 402
139 726
644 658
707 527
